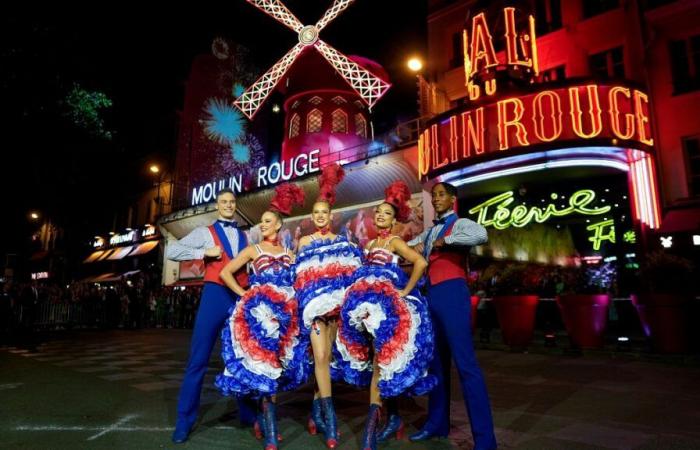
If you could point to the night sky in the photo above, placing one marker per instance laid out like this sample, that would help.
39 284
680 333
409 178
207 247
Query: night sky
139 59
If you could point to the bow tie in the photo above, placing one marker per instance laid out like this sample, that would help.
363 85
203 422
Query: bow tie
228 223
441 221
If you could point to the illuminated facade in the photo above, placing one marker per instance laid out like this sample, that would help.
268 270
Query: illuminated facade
548 96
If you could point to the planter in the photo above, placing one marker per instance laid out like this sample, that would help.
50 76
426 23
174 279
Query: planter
664 318
516 316
475 303
585 318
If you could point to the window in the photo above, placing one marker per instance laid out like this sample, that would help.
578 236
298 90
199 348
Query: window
338 100
294 125
594 7
547 16
685 64
314 121
554 74
296 104
457 51
315 100
339 121
691 146
608 64
360 125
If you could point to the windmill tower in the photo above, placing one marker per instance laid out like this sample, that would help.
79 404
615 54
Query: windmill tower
328 94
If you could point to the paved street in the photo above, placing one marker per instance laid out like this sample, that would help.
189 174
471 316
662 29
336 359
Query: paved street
118 390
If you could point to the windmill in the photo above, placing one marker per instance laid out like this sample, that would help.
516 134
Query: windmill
368 86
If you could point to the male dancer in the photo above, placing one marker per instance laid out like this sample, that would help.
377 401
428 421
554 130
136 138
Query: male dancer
217 244
444 246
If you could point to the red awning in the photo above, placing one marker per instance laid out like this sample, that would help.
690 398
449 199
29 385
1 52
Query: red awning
94 256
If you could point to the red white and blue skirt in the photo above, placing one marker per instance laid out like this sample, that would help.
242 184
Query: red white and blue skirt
261 346
376 323
324 271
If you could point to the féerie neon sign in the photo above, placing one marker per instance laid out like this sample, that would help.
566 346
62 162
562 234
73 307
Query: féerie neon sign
495 212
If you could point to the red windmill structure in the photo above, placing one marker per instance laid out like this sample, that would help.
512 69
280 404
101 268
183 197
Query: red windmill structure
367 85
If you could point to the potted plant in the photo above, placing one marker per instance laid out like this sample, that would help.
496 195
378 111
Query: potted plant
664 300
584 309
516 298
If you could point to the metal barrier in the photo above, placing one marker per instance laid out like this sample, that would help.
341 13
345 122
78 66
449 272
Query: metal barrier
64 315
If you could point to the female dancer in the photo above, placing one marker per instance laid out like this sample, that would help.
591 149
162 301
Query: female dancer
385 337
261 347
324 268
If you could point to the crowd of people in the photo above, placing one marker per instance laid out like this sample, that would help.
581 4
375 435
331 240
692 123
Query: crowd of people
138 301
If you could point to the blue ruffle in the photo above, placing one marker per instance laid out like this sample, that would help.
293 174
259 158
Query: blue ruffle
413 379
241 380
323 249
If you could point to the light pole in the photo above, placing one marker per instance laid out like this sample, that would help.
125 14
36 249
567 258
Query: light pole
155 170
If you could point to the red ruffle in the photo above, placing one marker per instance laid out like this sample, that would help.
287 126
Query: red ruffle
333 270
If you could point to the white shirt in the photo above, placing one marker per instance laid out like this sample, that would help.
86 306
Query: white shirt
465 232
196 242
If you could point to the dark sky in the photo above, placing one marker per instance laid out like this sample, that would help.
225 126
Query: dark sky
139 58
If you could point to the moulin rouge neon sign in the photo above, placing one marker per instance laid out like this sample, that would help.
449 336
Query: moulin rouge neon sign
575 115
496 212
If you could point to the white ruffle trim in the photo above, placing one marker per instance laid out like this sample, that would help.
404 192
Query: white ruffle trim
322 305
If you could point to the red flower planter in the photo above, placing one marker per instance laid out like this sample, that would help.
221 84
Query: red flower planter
585 318
516 316
664 318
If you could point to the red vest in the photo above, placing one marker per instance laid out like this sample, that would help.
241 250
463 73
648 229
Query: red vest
214 266
447 263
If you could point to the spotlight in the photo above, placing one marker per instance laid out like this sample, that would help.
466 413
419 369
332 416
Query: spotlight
550 340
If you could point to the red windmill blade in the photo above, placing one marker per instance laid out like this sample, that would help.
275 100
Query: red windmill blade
368 86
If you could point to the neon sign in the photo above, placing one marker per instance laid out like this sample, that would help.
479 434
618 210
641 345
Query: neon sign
569 115
630 237
121 238
602 231
300 165
480 54
496 212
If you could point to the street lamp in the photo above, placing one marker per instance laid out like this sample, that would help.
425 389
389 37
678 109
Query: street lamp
34 215
155 170
415 64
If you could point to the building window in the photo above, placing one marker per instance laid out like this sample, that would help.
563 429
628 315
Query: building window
608 64
685 64
338 100
691 146
554 74
359 104
457 51
547 16
360 125
294 126
314 121
339 121
296 104
594 7
315 100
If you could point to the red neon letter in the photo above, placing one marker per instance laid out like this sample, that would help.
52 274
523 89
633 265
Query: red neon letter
482 51
435 148
453 139
594 111
504 123
613 99
554 116
641 99
424 153
511 36
473 132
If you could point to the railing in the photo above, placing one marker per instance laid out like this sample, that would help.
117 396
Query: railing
65 315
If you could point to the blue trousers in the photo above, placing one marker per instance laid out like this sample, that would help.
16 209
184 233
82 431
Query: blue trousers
450 310
211 316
